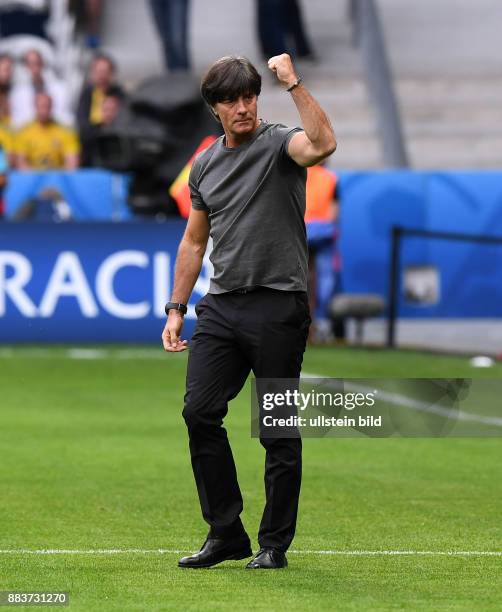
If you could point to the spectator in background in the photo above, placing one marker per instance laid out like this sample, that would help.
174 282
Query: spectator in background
6 70
6 139
296 32
281 29
112 105
93 10
101 83
171 19
6 65
4 111
7 145
111 111
88 16
22 98
321 213
4 167
45 144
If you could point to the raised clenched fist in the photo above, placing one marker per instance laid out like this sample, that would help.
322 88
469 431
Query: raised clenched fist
283 67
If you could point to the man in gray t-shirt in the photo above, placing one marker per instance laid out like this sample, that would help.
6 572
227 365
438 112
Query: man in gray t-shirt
256 218
248 194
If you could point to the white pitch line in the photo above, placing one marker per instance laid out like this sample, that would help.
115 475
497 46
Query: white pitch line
419 406
403 401
98 551
82 353
350 553
375 553
86 353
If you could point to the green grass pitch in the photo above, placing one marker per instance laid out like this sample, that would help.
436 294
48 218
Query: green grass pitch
94 456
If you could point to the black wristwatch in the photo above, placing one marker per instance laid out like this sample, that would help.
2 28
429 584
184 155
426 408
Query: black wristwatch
175 306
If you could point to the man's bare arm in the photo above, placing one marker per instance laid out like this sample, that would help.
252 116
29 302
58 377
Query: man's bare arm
318 141
188 264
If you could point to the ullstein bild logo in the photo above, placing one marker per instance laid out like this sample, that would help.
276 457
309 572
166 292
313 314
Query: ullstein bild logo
68 278
295 399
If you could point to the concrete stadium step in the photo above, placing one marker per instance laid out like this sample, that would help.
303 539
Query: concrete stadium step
449 37
463 89
478 116
446 58
455 152
452 121
446 61
335 79
222 27
449 129
344 100
356 153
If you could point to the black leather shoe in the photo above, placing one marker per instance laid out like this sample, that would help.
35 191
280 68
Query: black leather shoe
216 550
268 558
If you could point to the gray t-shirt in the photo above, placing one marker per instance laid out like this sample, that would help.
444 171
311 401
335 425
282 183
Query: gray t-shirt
255 196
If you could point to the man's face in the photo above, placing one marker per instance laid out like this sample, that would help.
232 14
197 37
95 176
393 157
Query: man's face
43 108
101 73
34 63
4 106
110 109
238 117
5 70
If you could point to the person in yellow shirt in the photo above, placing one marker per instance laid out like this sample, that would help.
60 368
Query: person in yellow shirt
45 144
100 85
6 71
6 142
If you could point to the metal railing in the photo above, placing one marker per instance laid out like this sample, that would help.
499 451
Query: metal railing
369 37
398 233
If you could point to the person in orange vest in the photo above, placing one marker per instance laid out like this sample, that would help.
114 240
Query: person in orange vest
322 203
180 190
321 215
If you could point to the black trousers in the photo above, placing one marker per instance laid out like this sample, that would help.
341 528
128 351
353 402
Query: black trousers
265 331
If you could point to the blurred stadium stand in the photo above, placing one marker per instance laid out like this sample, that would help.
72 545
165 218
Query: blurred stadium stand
444 60
445 57
60 50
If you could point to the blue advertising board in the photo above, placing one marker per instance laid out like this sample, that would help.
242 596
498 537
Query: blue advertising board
91 194
108 282
89 282
470 274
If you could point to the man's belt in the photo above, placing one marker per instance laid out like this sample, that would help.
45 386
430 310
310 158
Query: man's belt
244 289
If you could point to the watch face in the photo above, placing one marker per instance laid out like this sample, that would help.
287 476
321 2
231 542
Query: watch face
174 306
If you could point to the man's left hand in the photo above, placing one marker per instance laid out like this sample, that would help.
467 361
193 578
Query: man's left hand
283 67
171 334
